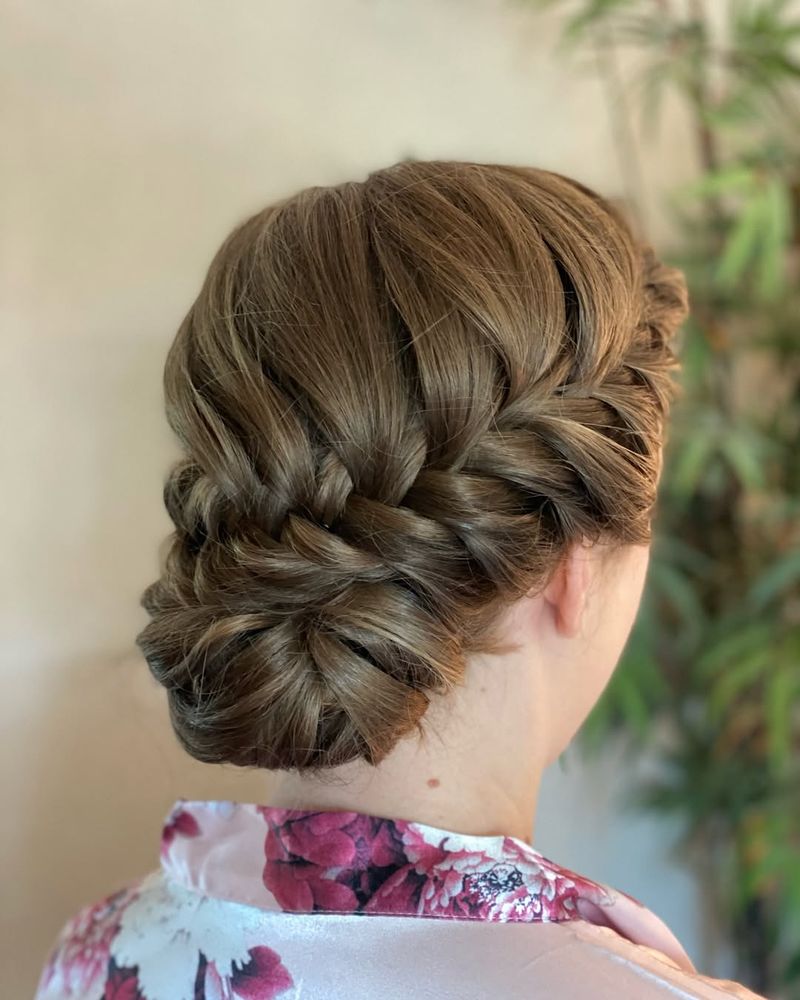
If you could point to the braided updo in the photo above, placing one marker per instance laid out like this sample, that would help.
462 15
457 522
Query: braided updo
399 400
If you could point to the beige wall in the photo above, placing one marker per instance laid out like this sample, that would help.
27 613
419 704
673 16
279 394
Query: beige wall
134 136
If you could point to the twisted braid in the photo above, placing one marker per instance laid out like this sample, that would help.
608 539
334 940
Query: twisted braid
399 401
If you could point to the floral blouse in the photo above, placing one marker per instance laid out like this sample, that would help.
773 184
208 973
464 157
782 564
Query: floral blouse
255 902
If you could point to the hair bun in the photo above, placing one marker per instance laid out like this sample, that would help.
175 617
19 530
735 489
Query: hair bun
399 401
320 632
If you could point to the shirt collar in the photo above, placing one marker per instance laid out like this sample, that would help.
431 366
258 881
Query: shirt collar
310 861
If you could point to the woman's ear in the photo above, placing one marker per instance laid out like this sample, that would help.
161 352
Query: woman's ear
567 589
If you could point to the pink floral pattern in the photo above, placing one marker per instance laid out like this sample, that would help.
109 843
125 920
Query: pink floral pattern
333 861
85 963
180 823
121 983
204 927
345 862
78 963
263 977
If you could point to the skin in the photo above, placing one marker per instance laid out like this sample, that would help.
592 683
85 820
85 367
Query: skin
479 769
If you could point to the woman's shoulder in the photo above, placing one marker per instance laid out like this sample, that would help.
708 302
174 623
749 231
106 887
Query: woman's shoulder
156 940
641 971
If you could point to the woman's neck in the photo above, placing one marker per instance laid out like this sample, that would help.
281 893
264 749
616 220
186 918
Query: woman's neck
423 791
477 772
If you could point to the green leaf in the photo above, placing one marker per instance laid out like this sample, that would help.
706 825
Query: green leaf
781 690
592 14
736 178
679 592
777 231
782 575
792 971
735 681
731 645
690 462
743 459
742 244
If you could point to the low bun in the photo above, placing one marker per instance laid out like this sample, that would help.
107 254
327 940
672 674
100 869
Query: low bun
399 401
322 634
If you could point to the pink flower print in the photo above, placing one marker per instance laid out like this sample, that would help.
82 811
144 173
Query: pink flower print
264 977
121 984
328 861
81 955
454 877
442 891
442 880
352 862
563 888
180 823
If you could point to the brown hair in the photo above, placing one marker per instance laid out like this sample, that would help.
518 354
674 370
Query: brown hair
400 400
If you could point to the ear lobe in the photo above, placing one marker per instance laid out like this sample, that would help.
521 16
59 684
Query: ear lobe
567 591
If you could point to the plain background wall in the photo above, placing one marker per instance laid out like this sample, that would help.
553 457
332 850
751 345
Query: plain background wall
134 136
